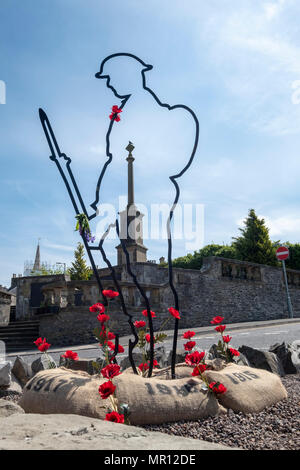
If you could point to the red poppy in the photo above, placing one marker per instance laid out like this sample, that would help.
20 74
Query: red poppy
110 293
155 363
111 371
97 308
174 312
140 324
199 369
38 341
189 345
71 355
145 313
106 389
116 109
103 333
112 347
188 334
114 417
217 320
194 358
102 318
43 347
227 338
220 328
217 387
143 367
121 349
147 338
114 115
234 352
110 335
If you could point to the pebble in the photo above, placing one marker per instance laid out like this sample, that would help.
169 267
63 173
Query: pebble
276 427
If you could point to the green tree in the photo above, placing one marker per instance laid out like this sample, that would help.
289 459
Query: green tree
46 270
79 271
195 261
294 259
254 244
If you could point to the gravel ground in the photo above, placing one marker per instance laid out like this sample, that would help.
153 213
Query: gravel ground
15 397
275 428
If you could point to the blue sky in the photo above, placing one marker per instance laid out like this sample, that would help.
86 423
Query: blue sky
233 62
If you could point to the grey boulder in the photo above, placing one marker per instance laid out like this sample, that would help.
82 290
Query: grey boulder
22 370
263 360
180 357
5 374
284 354
42 363
137 358
294 348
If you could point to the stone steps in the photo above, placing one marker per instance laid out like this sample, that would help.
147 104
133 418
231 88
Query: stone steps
19 336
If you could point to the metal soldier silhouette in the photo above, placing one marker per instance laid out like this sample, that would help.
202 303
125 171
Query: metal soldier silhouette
131 94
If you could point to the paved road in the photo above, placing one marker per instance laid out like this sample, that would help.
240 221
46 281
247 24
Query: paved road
260 335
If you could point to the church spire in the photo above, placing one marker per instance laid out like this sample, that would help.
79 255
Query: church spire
37 261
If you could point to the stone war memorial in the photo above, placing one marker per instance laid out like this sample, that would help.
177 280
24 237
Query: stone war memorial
139 389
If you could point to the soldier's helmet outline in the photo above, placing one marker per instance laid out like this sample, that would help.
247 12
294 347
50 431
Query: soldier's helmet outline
101 74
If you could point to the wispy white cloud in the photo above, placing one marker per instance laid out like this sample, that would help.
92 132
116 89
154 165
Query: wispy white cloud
254 53
57 246
284 227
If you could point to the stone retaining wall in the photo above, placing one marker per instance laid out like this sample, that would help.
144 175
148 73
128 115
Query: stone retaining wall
239 291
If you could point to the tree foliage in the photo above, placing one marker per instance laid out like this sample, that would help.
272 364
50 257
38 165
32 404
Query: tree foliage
195 261
79 271
293 262
254 244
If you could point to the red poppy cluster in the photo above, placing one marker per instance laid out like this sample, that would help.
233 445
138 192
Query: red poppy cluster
195 359
111 371
115 417
145 338
97 308
42 344
140 324
102 318
105 336
145 313
115 113
227 351
174 312
110 294
107 390
144 366
217 388
70 355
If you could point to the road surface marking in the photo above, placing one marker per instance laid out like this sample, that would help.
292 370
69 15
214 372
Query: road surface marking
275 332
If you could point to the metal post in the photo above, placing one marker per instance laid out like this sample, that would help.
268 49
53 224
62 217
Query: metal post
289 303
